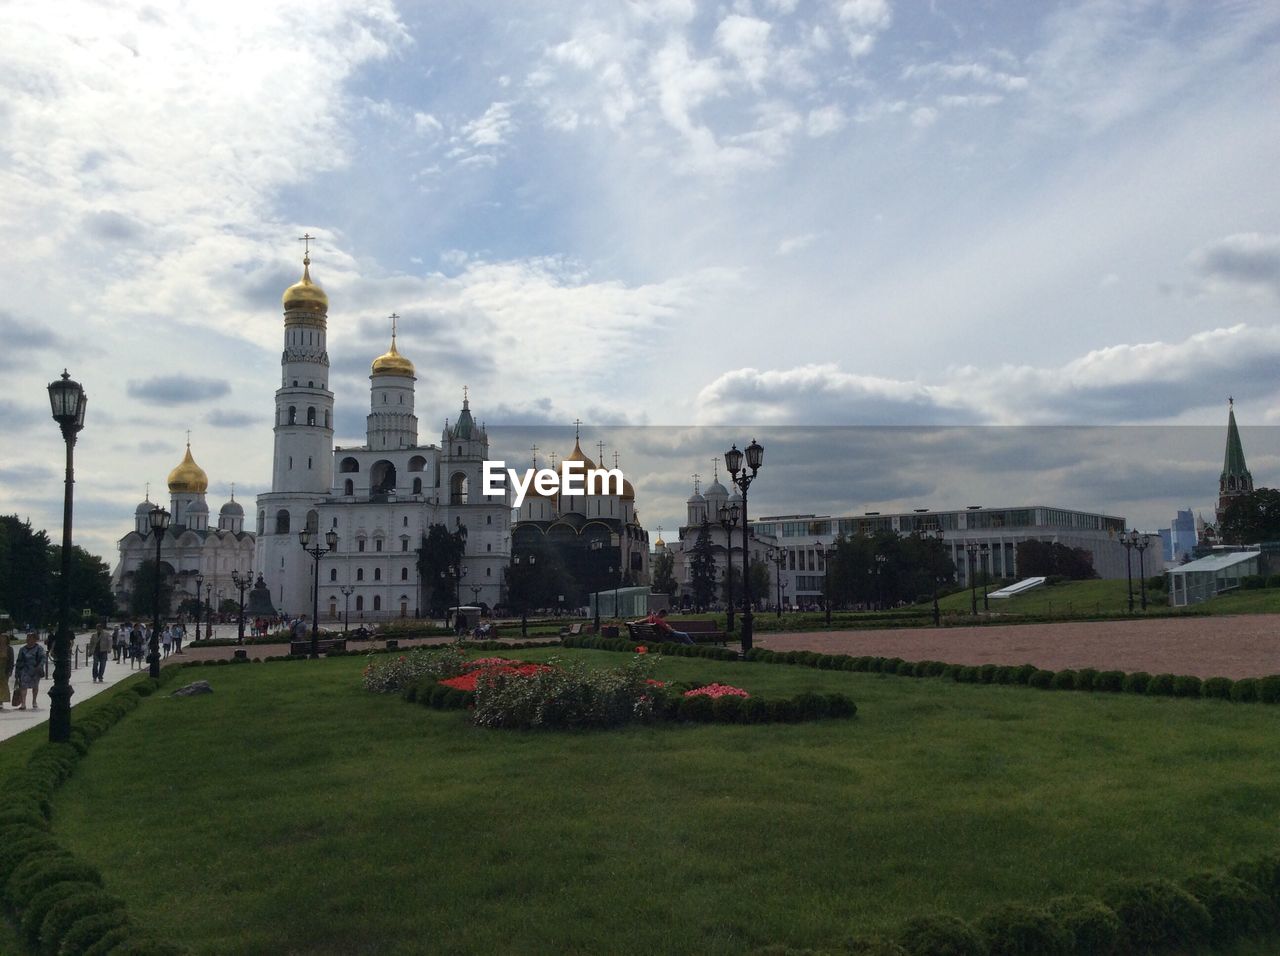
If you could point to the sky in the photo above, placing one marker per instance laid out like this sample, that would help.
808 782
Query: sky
679 222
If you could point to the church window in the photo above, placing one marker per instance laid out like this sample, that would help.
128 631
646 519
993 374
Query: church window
404 522
291 463
293 414
326 418
377 603
311 384
382 477
262 522
488 572
348 464
282 521
313 521
377 544
349 488
459 450
404 574
404 544
311 415
308 463
333 574
377 574
401 399
359 574
359 602
417 486
458 489
384 399
360 544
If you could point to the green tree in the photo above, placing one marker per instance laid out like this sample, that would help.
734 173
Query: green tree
142 598
1049 558
539 579
1251 518
26 591
731 585
760 580
438 559
702 569
90 583
664 574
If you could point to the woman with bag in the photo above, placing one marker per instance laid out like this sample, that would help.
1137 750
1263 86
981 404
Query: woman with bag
28 669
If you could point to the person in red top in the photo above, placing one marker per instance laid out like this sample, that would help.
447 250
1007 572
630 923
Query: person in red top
659 621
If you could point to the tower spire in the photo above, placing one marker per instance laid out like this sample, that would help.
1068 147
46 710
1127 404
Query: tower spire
1235 479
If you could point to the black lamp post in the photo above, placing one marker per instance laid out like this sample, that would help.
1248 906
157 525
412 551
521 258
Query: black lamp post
241 584
778 557
728 518
159 522
1141 542
316 552
208 611
984 549
1129 539
827 554
880 560
934 572
347 590
972 550
199 603
67 400
739 476
597 545
531 560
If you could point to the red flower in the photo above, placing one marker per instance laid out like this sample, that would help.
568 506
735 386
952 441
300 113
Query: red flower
717 690
642 649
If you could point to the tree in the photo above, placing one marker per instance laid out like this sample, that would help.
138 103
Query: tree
1251 518
90 582
142 601
910 567
26 591
438 560
702 569
539 582
664 577
759 577
1049 558
731 585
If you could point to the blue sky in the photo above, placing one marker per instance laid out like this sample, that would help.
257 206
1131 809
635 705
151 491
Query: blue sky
764 213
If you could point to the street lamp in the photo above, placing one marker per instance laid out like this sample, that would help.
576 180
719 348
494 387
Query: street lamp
67 401
208 611
984 548
199 603
597 545
880 560
739 476
241 584
779 557
934 570
1129 539
972 550
159 522
827 554
346 590
1141 542
728 518
330 542
530 560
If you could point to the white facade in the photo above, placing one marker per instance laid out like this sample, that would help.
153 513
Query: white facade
381 497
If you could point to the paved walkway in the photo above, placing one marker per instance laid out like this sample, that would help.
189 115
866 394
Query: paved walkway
14 721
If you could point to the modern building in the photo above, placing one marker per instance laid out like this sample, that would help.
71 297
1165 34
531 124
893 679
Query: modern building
1180 538
381 498
1206 577
190 548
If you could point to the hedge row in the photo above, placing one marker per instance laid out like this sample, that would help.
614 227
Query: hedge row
676 707
709 651
1245 690
56 900
1143 916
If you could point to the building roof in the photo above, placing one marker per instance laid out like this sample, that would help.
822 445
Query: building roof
1216 562
1233 459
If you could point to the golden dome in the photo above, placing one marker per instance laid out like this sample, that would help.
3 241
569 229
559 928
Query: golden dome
392 362
659 543
188 477
628 490
577 455
305 294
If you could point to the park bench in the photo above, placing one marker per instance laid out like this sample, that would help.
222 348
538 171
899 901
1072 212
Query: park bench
702 632
576 630
326 644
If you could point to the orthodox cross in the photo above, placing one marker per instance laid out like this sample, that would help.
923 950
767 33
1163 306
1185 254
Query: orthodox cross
577 423
1230 401
697 488
233 491
600 451
393 318
534 449
615 458
464 395
715 469
553 461
148 491
188 437
306 238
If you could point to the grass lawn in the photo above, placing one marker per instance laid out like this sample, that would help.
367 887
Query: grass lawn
291 812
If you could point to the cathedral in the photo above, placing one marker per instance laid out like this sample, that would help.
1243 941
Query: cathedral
381 498
190 548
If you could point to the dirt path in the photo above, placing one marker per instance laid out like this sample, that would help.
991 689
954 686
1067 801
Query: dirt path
1242 646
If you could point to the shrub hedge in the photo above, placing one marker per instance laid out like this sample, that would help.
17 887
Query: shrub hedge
56 900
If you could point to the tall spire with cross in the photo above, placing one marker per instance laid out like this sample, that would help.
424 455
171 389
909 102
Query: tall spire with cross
1235 479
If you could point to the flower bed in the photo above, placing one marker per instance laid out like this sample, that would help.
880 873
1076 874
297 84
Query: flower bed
716 690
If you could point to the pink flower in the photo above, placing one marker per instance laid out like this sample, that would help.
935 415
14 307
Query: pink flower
716 690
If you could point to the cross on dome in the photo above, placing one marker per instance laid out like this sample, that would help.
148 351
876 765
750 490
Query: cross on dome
306 238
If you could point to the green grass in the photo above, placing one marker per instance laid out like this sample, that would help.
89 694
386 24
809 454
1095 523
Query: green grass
292 812
1069 599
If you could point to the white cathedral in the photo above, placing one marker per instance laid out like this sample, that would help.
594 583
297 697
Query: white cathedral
381 497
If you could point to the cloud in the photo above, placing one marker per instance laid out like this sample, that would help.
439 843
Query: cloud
796 243
862 21
20 339
746 39
976 73
826 120
491 129
221 418
178 389
1249 260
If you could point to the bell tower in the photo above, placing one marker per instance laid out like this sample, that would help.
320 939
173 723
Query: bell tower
1235 479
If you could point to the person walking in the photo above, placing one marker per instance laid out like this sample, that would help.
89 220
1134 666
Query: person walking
179 630
135 646
29 669
166 639
100 648
6 668
117 643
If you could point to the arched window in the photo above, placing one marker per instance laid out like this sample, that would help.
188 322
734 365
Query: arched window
262 522
333 574
293 415
359 574
404 574
282 521
377 574
349 487
326 418
311 415
348 465
382 477
313 521
417 463
377 603
417 486
458 489
359 602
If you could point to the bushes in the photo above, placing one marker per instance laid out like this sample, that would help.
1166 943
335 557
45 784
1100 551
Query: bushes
1161 685
1041 679
1016 929
1156 913
934 935
1092 927
1245 690
1269 689
62 915
1109 681
1217 687
1063 680
1186 685
1085 678
393 674
1136 683
1237 908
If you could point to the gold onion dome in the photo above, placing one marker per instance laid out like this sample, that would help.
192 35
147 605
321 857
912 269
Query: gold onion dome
392 362
305 294
628 490
659 543
577 455
188 477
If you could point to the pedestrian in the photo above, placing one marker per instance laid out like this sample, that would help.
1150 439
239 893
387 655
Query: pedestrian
117 643
166 639
100 648
135 646
28 669
179 630
6 668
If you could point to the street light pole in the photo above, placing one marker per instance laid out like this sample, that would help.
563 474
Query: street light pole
985 549
778 556
67 401
531 560
1141 544
972 550
208 611
739 476
728 518
826 578
1129 539
934 574
330 543
241 584
199 603
159 521
347 590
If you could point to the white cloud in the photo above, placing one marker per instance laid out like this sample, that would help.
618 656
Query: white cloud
922 117
793 244
977 73
825 120
491 129
746 39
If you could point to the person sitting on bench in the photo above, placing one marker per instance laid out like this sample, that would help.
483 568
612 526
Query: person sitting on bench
659 621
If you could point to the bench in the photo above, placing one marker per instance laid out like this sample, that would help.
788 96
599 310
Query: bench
577 630
702 632
326 644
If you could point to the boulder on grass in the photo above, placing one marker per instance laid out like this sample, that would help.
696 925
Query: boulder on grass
193 690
